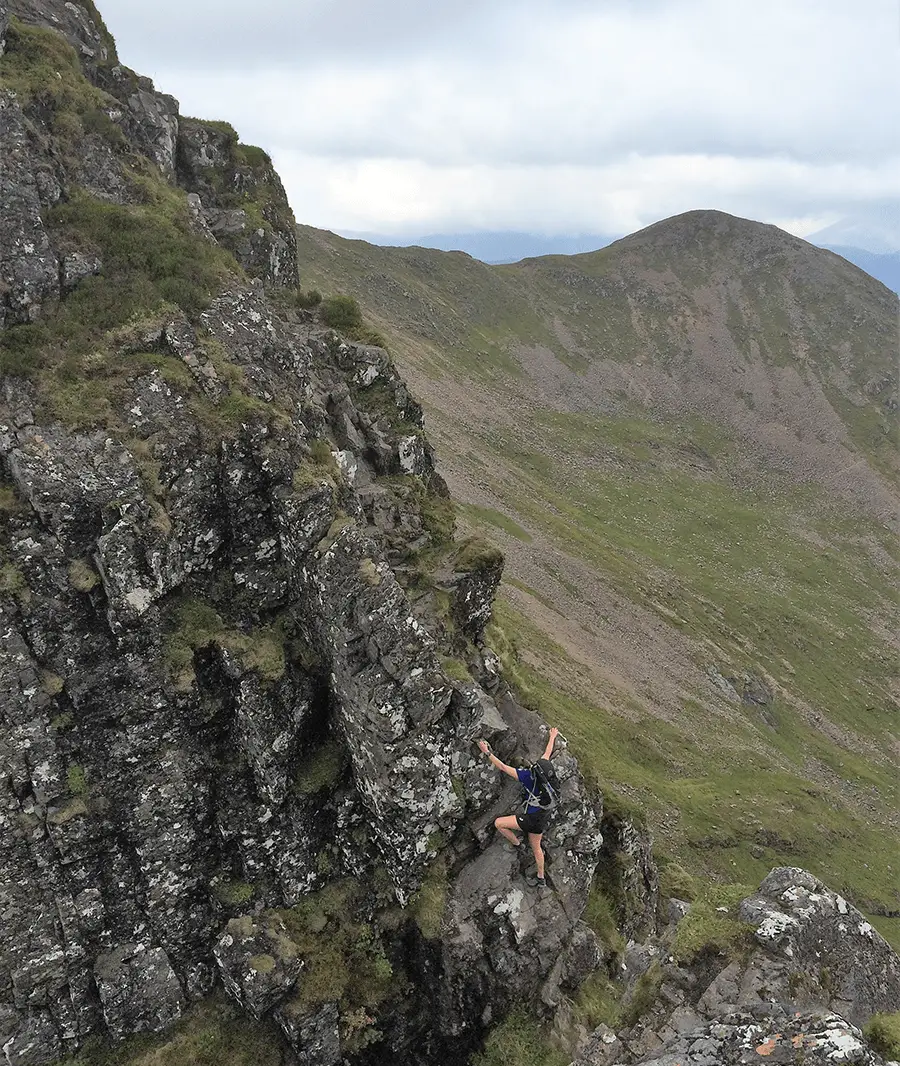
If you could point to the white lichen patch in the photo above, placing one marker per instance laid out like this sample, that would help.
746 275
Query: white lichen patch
775 925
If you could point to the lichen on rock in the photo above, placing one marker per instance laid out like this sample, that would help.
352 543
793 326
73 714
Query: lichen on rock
220 694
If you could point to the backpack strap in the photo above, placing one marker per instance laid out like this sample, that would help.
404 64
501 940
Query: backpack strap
539 785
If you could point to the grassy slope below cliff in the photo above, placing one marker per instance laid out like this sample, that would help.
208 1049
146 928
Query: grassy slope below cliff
683 444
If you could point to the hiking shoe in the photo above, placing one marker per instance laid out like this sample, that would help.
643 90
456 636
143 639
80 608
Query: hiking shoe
540 882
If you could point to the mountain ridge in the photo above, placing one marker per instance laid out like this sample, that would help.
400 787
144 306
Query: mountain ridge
247 652
667 448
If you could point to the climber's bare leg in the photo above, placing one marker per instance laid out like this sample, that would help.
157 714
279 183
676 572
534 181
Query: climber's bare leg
534 839
506 826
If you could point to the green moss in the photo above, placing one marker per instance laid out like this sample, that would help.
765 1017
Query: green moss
368 335
438 517
883 1033
44 71
75 808
262 650
152 260
193 624
369 573
150 252
9 500
76 779
233 893
455 669
320 769
340 523
51 683
430 902
262 963
252 156
344 958
358 1031
676 882
82 576
519 1039
705 929
217 126
13 583
320 467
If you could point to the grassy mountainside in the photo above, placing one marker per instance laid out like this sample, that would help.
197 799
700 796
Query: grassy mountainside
685 443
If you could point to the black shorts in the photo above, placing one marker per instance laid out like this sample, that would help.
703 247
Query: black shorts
536 822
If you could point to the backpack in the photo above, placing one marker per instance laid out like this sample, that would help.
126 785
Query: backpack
545 793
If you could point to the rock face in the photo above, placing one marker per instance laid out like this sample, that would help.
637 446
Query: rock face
813 1039
229 179
230 752
811 929
812 973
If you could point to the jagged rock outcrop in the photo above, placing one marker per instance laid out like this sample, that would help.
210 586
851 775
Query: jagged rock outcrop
80 24
809 1038
631 874
230 750
811 964
244 202
29 268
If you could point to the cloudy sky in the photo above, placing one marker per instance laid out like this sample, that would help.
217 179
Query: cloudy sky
551 116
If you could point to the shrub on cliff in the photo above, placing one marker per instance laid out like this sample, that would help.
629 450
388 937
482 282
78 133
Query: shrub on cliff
883 1033
341 313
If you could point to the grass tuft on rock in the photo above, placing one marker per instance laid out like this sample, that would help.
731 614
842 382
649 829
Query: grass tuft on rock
519 1039
215 1032
344 959
430 902
711 926
883 1033
82 576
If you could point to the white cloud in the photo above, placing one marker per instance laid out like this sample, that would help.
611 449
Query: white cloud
410 196
536 115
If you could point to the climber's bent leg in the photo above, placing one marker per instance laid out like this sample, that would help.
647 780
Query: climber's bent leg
506 826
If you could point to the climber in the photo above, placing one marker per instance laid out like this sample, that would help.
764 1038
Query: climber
541 795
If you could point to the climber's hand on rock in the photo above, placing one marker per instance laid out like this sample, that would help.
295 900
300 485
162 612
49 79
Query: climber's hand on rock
483 745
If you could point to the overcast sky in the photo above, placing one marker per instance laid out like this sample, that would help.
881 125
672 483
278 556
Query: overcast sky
561 116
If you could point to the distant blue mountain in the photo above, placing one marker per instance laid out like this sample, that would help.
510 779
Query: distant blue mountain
873 228
495 246
883 266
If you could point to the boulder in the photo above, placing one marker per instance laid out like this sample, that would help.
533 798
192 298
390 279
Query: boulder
824 943
313 1033
258 962
138 990
808 1038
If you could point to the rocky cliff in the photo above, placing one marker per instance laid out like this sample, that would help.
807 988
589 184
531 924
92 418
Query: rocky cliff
244 658
243 661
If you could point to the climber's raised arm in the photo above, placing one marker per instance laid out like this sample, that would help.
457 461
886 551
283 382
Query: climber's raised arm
509 770
548 751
